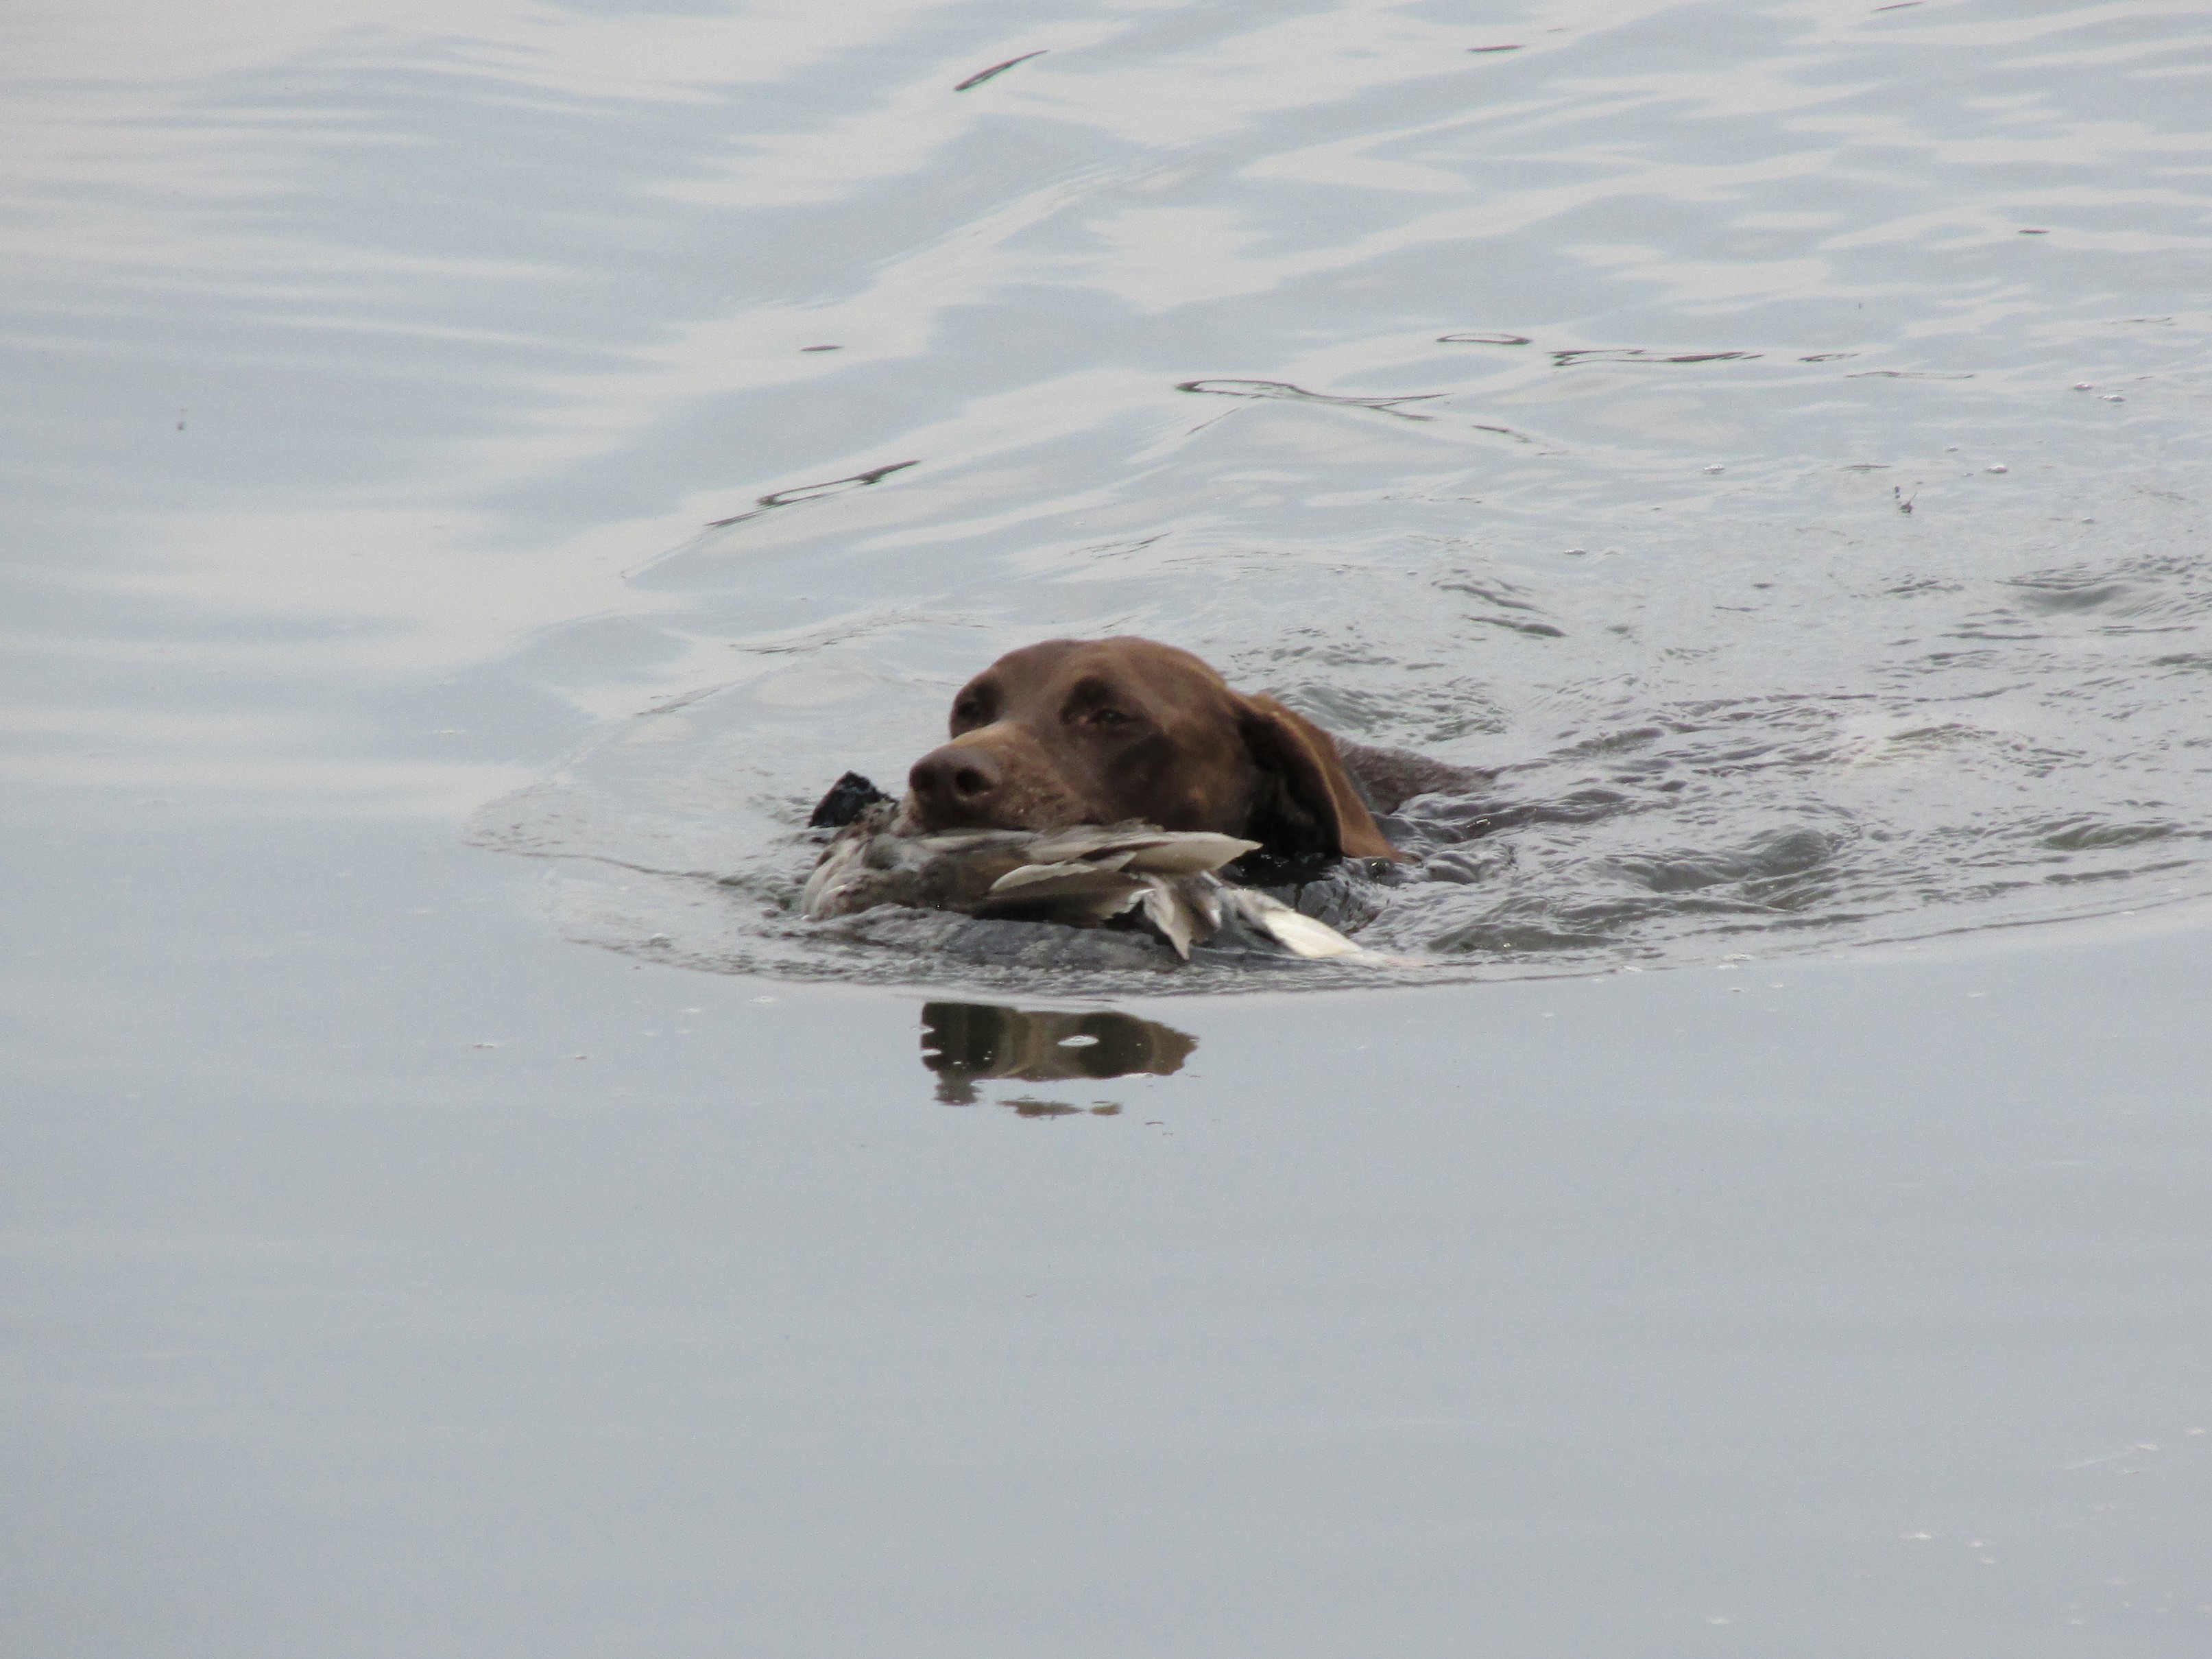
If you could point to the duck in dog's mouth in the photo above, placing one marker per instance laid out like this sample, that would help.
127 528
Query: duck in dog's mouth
1107 782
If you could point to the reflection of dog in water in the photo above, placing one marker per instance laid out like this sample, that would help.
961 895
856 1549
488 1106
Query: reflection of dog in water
964 1040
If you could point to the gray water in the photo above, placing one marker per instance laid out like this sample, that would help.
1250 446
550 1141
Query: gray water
583 433
1676 415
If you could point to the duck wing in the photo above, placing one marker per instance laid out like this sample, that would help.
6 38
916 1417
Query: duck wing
1185 910
1065 874
1200 853
1091 874
1140 847
1300 934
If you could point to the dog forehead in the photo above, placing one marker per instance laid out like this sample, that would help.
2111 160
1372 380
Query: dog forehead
1136 666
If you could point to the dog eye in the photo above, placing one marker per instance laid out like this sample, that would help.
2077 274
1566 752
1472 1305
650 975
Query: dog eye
1108 717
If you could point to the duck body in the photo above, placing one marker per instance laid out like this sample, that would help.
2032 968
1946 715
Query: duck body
1087 876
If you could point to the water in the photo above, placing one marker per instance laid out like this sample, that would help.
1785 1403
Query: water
585 433
1766 443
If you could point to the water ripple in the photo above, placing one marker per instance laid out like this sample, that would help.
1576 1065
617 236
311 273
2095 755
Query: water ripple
1799 510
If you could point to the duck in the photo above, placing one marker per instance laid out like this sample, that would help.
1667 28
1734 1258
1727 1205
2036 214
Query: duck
1165 881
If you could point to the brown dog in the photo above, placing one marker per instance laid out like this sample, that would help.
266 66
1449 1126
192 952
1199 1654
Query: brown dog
1100 730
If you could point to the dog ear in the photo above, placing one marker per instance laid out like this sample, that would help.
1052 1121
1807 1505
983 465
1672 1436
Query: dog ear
1308 808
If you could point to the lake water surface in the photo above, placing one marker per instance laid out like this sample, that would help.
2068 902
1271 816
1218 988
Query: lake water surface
1762 1211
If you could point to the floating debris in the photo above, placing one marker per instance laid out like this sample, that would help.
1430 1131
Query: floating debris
813 492
1298 394
982 75
1637 354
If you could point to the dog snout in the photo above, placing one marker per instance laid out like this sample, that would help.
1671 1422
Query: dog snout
956 783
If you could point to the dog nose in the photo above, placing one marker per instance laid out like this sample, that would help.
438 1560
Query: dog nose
959 777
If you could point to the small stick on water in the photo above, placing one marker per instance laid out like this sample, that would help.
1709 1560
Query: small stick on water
978 79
